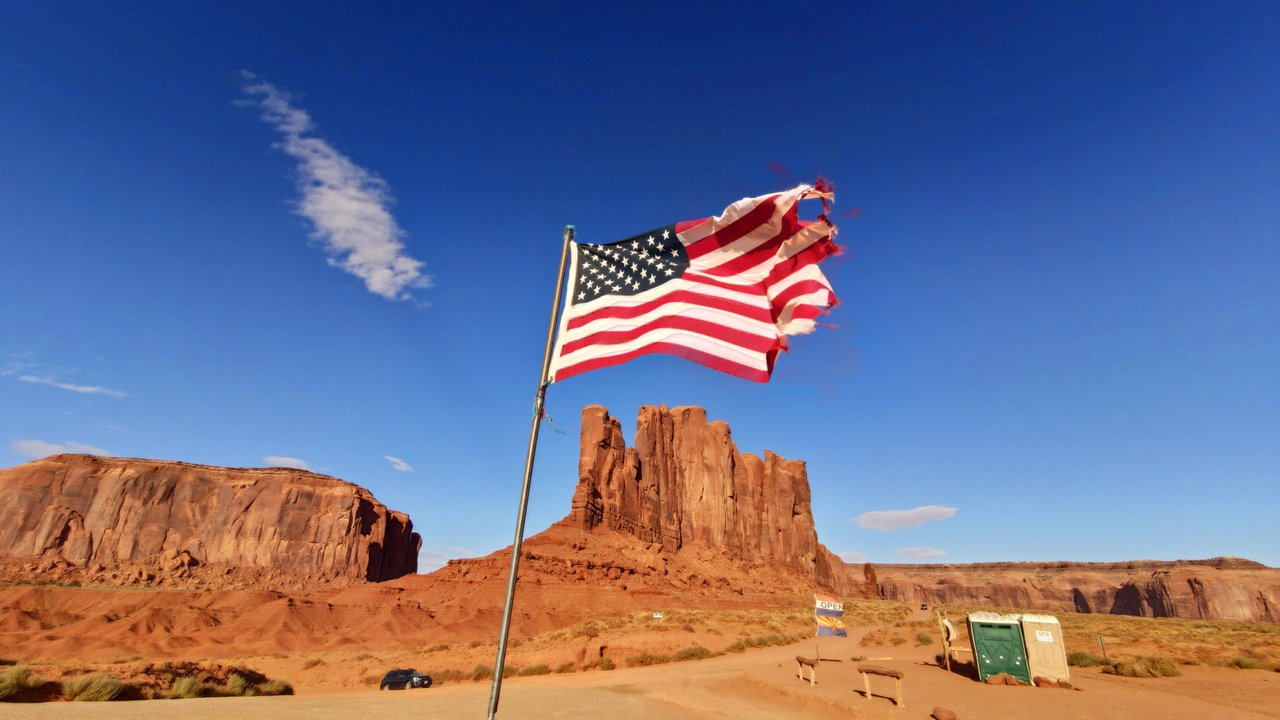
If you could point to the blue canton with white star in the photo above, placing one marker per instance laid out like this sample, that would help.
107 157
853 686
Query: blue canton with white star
628 267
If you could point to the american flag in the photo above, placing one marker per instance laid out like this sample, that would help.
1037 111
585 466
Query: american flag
723 291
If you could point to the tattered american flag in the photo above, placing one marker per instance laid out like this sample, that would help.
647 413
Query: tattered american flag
724 291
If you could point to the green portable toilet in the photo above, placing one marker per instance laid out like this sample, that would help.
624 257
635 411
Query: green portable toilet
997 645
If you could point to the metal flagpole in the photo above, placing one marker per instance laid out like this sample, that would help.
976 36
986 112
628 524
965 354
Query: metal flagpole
528 475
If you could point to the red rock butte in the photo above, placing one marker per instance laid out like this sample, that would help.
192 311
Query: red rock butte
87 511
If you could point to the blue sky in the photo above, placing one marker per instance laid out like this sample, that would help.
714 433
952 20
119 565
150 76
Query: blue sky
1057 337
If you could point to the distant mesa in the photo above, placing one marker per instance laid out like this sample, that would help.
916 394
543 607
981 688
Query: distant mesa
682 515
170 518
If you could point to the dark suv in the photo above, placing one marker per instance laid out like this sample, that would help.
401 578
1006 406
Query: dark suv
405 679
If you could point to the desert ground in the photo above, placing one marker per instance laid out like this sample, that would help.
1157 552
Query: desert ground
758 683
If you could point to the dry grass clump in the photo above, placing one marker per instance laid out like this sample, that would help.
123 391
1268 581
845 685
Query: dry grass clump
1144 667
1080 658
239 683
16 679
98 687
539 669
447 675
695 652
645 659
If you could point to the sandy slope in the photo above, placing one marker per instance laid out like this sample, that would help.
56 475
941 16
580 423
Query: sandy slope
759 684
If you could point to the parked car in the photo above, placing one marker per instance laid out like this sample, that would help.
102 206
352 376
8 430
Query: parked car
405 679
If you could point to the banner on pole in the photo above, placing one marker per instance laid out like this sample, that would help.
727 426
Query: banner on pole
829 612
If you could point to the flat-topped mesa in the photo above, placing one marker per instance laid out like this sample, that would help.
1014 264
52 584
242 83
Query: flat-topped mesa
83 510
685 484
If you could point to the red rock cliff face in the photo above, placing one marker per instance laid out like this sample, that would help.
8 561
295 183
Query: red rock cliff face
685 485
1215 589
91 510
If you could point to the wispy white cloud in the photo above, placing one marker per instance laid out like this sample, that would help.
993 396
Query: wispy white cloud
86 389
850 556
887 520
36 449
286 461
429 560
348 206
397 463
919 553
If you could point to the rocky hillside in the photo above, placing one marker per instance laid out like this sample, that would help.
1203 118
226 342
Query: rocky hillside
96 513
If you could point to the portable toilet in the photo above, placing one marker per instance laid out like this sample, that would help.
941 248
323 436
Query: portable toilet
1046 652
997 645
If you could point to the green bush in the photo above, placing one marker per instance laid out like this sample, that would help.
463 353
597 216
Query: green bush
1243 663
695 652
16 679
1144 667
99 687
1084 659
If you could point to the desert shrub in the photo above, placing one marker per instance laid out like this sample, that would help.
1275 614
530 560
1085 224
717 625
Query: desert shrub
1084 659
736 647
694 652
603 663
275 687
566 667
481 672
16 679
186 687
99 687
898 640
313 662
475 643
437 648
645 659
535 670
361 656
1244 663
1144 667
447 675
924 638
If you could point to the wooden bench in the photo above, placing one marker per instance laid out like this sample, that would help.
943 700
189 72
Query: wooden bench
869 670
812 664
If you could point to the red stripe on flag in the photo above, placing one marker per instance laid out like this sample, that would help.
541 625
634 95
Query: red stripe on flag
689 224
804 287
763 252
745 340
756 288
816 252
714 362
757 216
753 312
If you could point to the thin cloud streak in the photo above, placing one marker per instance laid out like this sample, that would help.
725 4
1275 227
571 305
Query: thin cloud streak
919 553
346 204
852 557
85 389
889 520
397 463
36 449
286 461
